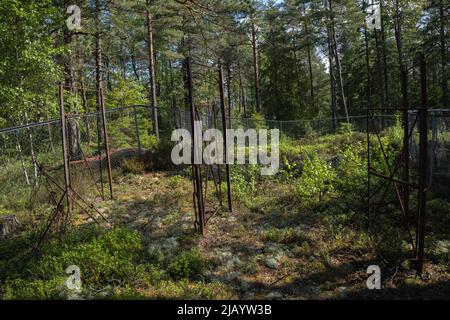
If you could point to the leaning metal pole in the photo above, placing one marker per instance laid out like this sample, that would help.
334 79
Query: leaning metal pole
224 128
423 187
196 170
106 141
67 189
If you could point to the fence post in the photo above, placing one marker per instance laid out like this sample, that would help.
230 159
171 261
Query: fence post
65 153
422 166
105 133
224 127
136 126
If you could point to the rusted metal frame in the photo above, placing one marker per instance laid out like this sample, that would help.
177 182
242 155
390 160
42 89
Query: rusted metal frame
91 206
208 168
91 172
224 128
396 167
99 146
106 143
136 125
65 154
50 220
379 175
403 205
390 180
219 182
423 187
198 192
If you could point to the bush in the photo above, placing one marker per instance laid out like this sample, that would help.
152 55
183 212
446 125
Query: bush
316 180
345 128
186 265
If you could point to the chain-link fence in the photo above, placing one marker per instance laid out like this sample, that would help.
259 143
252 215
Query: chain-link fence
28 150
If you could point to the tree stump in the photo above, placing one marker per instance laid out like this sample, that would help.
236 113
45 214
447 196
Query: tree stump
7 225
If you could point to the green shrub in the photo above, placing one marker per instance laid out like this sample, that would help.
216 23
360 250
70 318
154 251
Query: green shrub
352 169
186 265
316 180
345 128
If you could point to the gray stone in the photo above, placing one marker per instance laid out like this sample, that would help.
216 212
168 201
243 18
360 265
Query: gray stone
275 295
272 263
443 246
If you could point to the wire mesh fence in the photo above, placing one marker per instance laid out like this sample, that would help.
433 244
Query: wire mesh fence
26 150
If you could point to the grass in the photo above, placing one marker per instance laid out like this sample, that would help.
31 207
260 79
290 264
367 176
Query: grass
151 251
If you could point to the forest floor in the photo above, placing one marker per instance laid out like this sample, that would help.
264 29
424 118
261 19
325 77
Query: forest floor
272 246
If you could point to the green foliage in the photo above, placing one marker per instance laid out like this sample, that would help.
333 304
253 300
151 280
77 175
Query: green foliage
244 179
316 181
187 264
285 235
345 128
126 93
352 170
112 257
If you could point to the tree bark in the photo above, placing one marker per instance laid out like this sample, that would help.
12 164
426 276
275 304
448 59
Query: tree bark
444 55
255 64
151 69
338 63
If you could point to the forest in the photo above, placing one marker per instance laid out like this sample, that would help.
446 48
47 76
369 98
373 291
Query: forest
91 91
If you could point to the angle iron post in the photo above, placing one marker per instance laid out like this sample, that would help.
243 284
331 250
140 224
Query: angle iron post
225 143
423 132
99 142
106 141
196 171
67 189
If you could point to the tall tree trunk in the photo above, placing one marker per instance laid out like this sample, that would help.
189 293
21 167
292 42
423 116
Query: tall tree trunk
369 78
86 110
384 54
308 47
332 79
444 55
133 65
256 64
338 64
241 90
229 88
380 73
151 68
404 101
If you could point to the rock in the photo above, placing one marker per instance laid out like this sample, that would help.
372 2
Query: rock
272 263
443 247
275 295
233 262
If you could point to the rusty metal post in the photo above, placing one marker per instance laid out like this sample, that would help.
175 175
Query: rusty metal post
421 218
224 128
369 164
65 153
196 170
136 126
106 141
